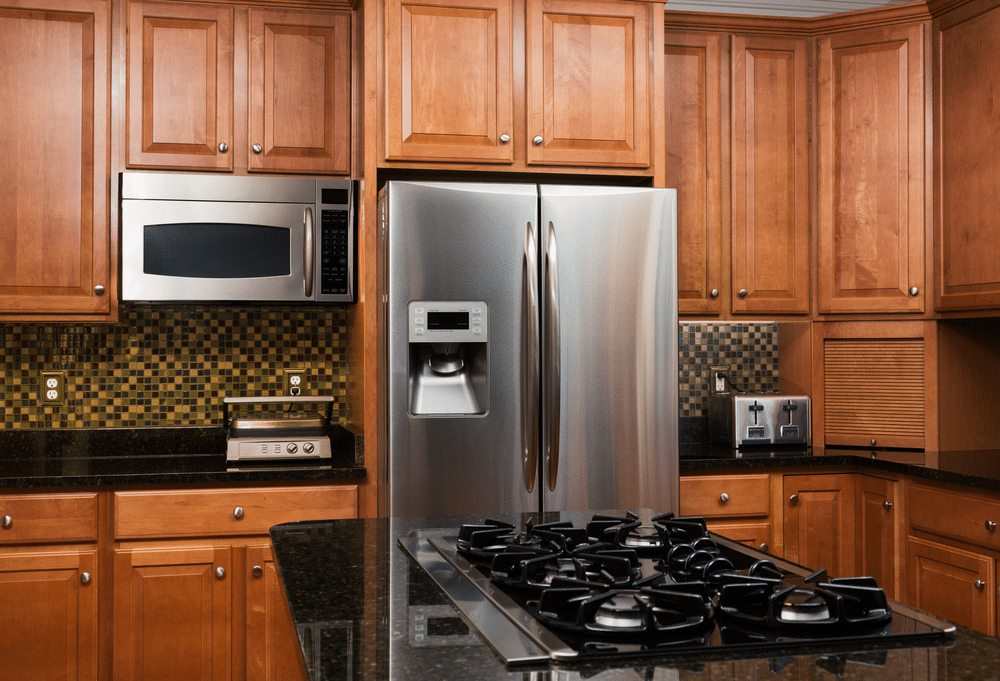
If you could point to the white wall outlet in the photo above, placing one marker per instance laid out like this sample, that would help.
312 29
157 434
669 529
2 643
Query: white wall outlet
719 379
53 387
295 382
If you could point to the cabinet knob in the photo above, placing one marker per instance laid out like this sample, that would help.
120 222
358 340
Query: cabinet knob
85 578
979 584
914 290
220 573
743 293
238 512
874 442
794 499
538 140
714 293
99 290
504 138
724 498
763 547
223 147
6 522
990 525
887 505
257 571
257 148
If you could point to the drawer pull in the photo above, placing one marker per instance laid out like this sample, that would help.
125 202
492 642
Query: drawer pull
257 571
794 499
238 512
724 498
85 578
887 505
6 522
979 584
990 526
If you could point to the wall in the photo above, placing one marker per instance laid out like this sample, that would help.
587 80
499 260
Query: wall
165 366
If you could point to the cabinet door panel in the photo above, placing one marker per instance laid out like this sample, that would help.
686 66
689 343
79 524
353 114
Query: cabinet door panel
300 91
172 613
770 175
587 79
694 166
879 545
943 581
180 86
449 81
48 617
819 522
55 240
273 651
871 190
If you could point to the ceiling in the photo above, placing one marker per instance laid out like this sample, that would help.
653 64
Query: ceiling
780 8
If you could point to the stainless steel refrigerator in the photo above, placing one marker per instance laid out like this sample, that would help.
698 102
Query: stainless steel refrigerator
530 347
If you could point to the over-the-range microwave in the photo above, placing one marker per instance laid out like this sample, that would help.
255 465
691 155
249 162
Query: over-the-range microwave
216 239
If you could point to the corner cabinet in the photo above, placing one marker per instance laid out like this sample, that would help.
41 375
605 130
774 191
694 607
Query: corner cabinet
188 65
871 170
56 246
457 91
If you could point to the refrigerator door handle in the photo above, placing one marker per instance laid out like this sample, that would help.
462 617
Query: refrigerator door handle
530 359
552 383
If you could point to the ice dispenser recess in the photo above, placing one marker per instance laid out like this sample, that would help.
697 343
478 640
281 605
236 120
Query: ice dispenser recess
448 364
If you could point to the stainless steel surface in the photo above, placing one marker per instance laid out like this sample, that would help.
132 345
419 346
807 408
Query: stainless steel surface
605 342
220 573
85 578
6 522
291 204
273 436
748 419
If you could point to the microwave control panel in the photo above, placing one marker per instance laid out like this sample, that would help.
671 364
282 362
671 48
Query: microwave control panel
447 321
334 258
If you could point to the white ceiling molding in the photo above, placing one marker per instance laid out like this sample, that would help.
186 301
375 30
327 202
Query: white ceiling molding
779 8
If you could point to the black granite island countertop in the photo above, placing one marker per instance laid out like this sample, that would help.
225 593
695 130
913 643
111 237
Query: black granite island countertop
140 456
364 611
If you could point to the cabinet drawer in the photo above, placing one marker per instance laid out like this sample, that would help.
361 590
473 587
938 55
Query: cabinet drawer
45 518
718 496
246 511
955 514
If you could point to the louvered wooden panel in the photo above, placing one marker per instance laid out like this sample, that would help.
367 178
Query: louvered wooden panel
874 389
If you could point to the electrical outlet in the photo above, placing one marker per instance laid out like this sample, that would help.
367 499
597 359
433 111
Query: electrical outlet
720 379
53 387
295 382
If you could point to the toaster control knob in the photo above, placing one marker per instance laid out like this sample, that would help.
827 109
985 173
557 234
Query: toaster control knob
292 448
724 497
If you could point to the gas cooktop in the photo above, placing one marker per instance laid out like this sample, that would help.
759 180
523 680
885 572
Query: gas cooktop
629 585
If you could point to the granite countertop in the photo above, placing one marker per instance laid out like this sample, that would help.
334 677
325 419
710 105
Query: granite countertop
973 468
362 608
141 456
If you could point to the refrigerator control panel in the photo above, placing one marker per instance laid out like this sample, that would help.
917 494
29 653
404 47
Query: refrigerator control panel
447 321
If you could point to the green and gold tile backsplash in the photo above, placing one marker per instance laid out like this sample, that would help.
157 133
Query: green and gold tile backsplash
165 366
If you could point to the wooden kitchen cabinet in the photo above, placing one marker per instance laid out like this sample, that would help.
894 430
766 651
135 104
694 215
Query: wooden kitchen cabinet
770 175
187 66
49 581
734 506
57 250
456 90
187 558
693 160
819 529
967 135
870 250
952 583
879 521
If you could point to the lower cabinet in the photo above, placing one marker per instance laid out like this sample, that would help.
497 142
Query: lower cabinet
953 583
879 546
819 522
273 652
734 506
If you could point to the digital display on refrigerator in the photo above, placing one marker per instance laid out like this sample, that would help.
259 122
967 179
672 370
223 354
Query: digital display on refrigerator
447 321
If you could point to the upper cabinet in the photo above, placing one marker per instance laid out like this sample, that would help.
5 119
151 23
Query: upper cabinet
967 136
871 180
514 86
770 176
188 62
55 240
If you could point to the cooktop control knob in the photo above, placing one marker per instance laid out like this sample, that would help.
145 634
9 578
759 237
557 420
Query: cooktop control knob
308 447
292 448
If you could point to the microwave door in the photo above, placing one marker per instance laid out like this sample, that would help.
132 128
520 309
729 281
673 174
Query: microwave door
204 251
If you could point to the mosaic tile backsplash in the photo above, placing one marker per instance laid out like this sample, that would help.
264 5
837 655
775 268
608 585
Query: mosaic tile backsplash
164 366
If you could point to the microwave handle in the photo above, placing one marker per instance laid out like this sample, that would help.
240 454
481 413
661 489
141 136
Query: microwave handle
308 251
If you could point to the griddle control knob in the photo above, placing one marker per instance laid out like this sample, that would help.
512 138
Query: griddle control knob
292 448
308 447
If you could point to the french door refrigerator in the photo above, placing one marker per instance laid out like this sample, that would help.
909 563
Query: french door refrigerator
530 348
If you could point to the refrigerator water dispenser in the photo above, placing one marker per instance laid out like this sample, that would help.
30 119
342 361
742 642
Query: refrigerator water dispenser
448 364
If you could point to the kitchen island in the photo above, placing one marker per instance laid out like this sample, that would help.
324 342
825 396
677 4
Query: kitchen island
364 610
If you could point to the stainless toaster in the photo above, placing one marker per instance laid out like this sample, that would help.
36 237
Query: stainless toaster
744 419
